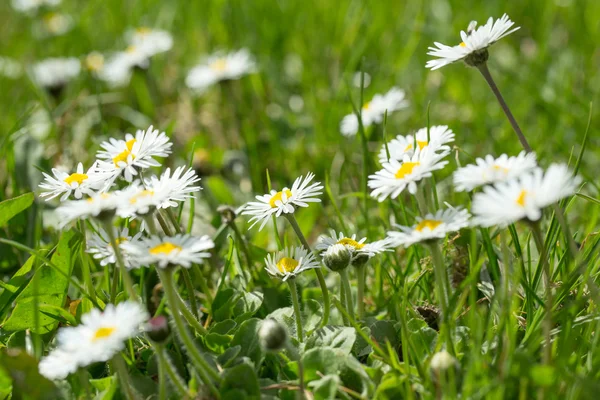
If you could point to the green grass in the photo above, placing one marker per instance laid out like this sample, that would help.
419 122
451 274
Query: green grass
548 74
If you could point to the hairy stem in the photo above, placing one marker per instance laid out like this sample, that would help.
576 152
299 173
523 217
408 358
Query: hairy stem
547 324
360 278
165 364
349 300
119 267
297 312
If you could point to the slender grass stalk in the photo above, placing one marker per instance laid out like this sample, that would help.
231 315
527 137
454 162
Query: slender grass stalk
127 281
320 277
421 202
124 382
547 325
490 81
360 278
297 312
442 286
349 300
162 380
165 365
560 216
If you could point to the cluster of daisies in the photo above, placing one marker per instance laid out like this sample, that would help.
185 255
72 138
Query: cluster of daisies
46 20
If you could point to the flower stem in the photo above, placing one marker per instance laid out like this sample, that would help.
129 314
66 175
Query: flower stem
190 318
165 364
123 377
443 291
349 301
421 201
547 325
120 266
490 81
360 278
320 277
297 313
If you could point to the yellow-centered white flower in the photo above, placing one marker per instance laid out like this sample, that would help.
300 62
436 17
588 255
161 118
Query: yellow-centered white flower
438 139
356 247
432 226
475 40
100 247
399 175
10 68
284 201
490 170
98 205
220 67
290 262
183 250
117 69
524 197
33 5
150 41
53 73
373 111
77 183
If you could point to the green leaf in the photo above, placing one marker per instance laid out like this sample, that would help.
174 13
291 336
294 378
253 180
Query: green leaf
326 387
543 375
313 314
51 289
16 284
229 356
247 305
240 379
391 387
222 306
247 337
322 361
11 207
26 379
107 387
342 338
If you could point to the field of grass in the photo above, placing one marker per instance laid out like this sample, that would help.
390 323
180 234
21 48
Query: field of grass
244 137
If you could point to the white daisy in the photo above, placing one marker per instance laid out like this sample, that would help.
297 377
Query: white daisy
290 262
98 205
101 249
183 250
54 73
439 137
356 247
59 364
489 170
220 67
94 62
473 48
118 68
133 153
397 175
150 41
98 338
430 227
56 24
373 111
10 68
284 201
33 5
78 183
523 197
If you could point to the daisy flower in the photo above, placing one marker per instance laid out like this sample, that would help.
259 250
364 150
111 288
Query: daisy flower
473 48
523 197
150 41
432 226
99 205
373 111
126 156
98 338
94 62
55 24
118 68
220 67
10 68
183 250
489 170
290 262
78 183
439 137
101 249
33 5
284 201
357 248
398 175
54 73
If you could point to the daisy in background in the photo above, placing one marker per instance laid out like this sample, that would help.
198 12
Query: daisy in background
523 197
493 170
284 201
54 24
118 67
439 137
133 153
78 183
55 73
94 62
183 250
398 175
100 336
373 111
220 67
101 249
290 262
430 227
473 48
100 205
358 249
150 41
33 5
10 68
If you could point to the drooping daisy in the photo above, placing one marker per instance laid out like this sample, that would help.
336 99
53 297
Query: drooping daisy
133 153
220 67
10 68
489 170
284 201
290 262
359 249
33 5
439 137
100 247
473 48
150 41
99 205
430 227
523 197
398 175
78 183
183 250
54 73
373 111
118 67
98 338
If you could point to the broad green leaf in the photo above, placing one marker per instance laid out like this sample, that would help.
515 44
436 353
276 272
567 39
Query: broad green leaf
313 314
26 379
247 305
391 387
247 337
15 284
229 356
222 306
11 207
339 337
51 289
326 387
240 379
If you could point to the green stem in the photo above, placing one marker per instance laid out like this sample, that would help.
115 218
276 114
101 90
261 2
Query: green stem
202 367
297 312
360 277
560 216
151 224
343 301
421 201
187 279
123 376
442 286
162 380
189 316
349 300
547 325
163 223
120 265
165 364
173 220
320 277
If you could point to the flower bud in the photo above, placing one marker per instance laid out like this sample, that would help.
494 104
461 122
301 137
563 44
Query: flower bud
337 257
272 335
158 328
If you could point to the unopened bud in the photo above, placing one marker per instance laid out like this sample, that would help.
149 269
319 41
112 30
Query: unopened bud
272 335
337 257
158 328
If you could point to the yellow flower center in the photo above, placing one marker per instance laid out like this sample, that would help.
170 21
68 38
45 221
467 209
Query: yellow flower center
351 242
420 143
463 44
220 64
143 193
366 105
278 197
131 49
521 199
94 62
143 31
103 332
102 196
75 177
165 248
122 157
287 264
405 169
499 168
430 224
